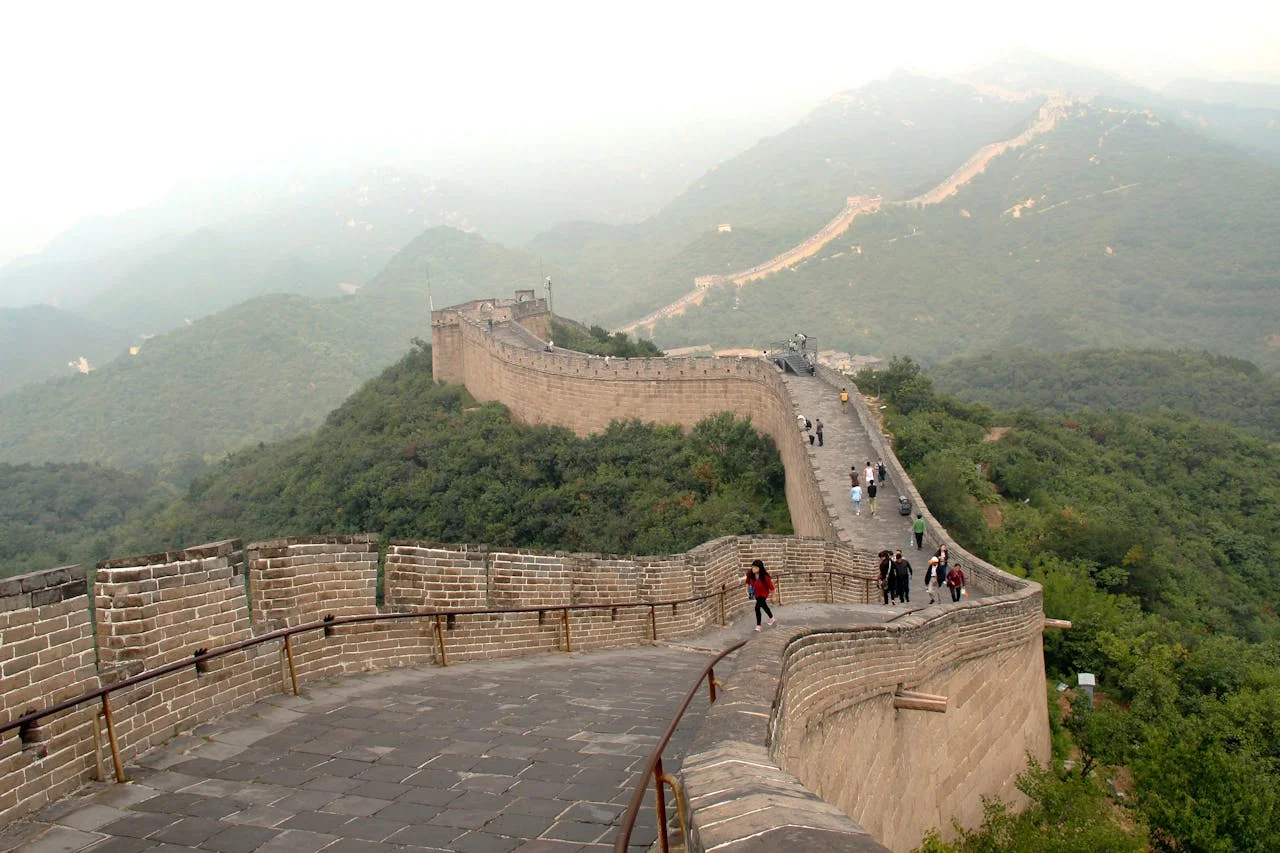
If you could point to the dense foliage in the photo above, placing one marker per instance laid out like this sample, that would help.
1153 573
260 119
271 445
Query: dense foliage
1157 535
407 458
55 515
599 341
1213 387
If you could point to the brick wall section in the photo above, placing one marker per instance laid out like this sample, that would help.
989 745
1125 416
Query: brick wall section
161 608
46 656
834 711
298 580
587 393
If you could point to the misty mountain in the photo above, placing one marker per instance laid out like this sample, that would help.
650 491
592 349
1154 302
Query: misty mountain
263 370
313 239
892 138
40 342
1119 227
1257 96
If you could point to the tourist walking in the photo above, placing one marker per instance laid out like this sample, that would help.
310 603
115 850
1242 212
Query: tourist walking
932 581
955 582
904 572
872 489
881 472
868 473
856 494
853 476
762 586
844 400
887 578
917 530
817 426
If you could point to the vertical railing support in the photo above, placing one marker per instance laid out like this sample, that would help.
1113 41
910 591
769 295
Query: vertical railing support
830 594
444 660
111 737
866 591
568 639
711 682
723 620
777 587
288 654
660 796
653 623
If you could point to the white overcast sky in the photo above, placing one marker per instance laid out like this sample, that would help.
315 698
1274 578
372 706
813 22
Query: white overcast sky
106 104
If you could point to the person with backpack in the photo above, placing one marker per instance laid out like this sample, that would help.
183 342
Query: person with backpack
955 582
917 530
881 472
844 399
904 573
761 587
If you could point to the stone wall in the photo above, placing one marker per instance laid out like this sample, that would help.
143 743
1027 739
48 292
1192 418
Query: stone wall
916 769
162 609
587 393
46 657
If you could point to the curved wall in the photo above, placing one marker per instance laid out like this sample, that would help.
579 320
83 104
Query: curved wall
587 393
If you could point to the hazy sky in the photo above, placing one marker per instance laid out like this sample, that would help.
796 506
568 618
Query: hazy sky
106 105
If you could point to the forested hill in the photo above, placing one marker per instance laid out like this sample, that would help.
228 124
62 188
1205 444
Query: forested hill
1157 535
1212 387
41 342
408 458
264 370
1118 227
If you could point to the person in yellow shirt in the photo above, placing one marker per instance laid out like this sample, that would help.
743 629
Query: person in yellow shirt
844 399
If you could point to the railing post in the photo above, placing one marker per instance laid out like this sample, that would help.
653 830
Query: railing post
830 595
866 591
711 682
653 623
444 660
723 620
288 653
661 796
568 640
111 737
777 587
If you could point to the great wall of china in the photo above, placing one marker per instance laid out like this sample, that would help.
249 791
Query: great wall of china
811 734
1051 112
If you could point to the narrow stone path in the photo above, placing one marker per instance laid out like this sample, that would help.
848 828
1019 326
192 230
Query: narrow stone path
846 444
537 754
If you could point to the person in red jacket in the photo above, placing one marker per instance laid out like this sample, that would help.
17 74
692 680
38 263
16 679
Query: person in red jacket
761 586
955 581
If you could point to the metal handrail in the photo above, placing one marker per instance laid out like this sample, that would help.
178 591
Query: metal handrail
201 657
653 768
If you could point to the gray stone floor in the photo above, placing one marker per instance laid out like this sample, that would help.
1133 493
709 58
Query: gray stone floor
533 754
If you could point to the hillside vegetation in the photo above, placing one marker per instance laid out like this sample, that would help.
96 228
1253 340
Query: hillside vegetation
40 342
57 515
408 458
1212 387
1065 243
1157 535
264 370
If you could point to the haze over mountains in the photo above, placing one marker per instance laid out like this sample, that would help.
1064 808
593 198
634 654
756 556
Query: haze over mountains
1138 219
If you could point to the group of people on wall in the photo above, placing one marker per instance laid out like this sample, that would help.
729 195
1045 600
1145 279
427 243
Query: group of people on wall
896 573
895 581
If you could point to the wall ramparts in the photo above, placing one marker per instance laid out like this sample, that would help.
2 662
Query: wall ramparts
587 393
163 608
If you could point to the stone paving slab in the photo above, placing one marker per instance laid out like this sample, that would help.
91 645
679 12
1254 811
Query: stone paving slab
539 753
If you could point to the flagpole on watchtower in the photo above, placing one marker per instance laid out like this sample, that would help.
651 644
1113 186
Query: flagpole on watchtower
546 286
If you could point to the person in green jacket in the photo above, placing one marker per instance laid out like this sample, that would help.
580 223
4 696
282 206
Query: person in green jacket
917 528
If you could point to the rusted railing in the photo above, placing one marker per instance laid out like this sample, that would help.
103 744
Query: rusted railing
653 770
28 724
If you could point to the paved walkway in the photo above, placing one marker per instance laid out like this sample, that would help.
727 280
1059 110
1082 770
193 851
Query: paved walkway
846 444
535 754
